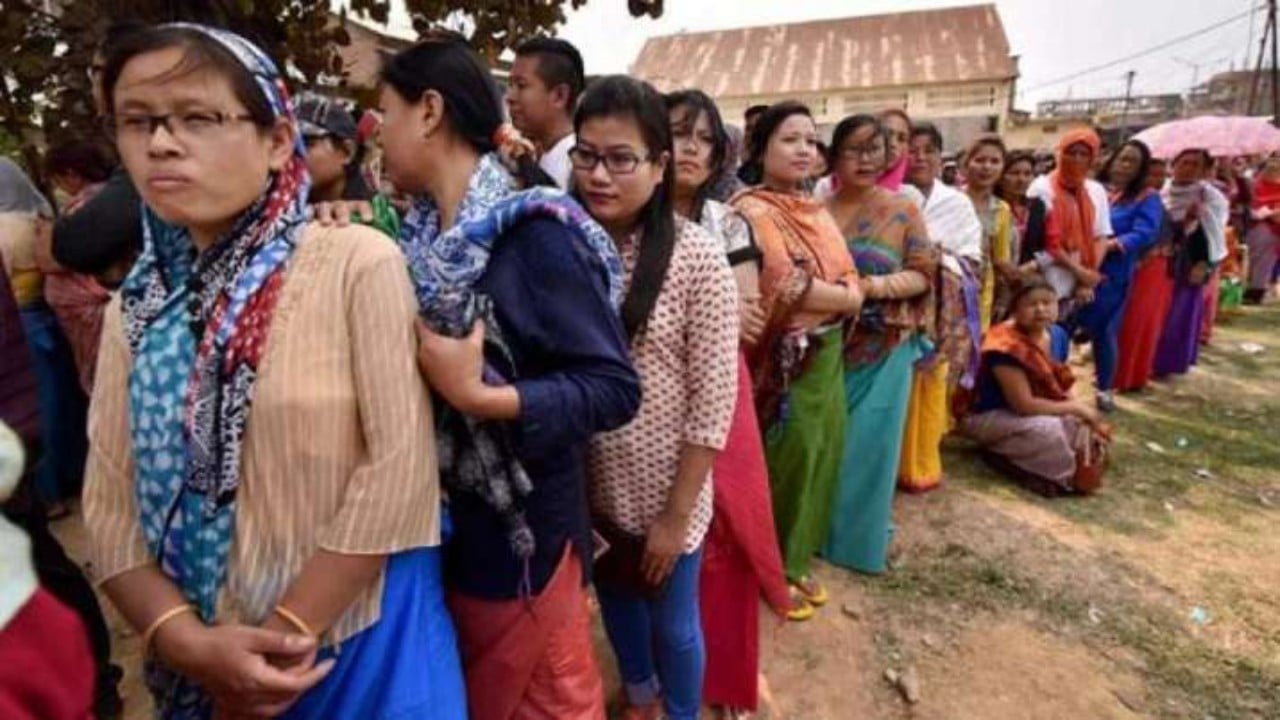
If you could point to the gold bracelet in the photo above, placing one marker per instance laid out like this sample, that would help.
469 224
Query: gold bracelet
295 621
165 617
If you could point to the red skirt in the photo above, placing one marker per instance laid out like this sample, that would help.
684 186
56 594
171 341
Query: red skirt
741 561
1149 299
47 669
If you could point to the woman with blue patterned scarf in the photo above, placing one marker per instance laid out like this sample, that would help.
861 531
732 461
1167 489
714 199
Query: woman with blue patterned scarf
518 292
262 492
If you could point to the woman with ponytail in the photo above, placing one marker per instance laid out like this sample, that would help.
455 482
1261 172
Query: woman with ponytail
518 293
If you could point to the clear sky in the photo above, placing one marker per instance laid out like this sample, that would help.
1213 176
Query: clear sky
1053 37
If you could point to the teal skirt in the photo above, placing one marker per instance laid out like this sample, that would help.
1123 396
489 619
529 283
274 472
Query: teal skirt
876 402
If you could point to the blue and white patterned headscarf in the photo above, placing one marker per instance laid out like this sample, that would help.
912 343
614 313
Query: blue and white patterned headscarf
476 457
197 326
446 266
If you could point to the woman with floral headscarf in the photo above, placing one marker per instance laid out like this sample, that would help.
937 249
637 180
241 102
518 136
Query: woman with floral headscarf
261 492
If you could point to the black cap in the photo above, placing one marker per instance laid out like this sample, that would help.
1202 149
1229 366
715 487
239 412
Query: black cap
320 116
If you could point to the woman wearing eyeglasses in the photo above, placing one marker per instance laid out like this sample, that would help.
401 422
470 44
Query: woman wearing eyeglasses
261 492
808 288
651 479
887 239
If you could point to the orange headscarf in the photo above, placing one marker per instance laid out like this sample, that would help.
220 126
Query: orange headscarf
1072 207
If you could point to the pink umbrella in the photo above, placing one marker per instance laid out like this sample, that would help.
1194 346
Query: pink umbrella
1222 136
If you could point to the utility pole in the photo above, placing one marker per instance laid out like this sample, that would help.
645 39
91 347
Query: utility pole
1124 112
1267 29
1275 69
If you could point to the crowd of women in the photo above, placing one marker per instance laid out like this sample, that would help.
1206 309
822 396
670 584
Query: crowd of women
333 475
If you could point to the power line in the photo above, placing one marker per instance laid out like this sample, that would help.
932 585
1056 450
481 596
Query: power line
1162 46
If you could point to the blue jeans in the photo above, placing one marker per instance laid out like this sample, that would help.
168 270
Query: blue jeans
1102 319
658 643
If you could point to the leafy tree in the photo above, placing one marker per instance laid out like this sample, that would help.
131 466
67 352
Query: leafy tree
48 46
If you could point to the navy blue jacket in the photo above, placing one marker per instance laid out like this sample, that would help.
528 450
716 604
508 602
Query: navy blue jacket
574 377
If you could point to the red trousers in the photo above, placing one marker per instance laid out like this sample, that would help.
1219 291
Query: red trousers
531 659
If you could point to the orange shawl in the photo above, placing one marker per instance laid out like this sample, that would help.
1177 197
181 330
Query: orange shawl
1050 380
1072 207
800 242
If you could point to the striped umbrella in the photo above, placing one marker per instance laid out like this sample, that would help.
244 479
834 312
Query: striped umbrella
1222 136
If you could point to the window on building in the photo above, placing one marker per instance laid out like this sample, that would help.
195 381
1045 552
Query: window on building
873 101
961 98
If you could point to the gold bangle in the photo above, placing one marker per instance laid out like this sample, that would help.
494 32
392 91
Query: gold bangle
165 617
295 621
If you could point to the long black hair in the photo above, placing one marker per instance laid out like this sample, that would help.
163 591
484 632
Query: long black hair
1139 181
618 96
849 126
765 127
696 103
443 62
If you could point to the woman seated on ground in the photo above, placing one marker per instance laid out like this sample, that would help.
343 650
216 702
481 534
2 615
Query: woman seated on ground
1023 415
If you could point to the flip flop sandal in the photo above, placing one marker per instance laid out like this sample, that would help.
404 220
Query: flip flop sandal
801 609
812 591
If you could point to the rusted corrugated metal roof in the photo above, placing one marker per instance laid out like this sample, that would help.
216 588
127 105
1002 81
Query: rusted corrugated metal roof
911 48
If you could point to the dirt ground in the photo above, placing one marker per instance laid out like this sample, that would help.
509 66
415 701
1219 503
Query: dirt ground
1158 598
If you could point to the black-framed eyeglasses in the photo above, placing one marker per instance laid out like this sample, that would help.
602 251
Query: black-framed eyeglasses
616 163
192 125
865 151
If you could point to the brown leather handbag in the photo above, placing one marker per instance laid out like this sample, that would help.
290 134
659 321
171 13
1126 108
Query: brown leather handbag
1093 454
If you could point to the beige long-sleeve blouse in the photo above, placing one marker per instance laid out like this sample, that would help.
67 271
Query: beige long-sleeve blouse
339 451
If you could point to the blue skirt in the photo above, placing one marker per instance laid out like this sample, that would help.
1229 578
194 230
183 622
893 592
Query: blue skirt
404 666
64 440
876 399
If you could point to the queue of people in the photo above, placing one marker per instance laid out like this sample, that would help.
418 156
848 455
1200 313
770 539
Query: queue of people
618 351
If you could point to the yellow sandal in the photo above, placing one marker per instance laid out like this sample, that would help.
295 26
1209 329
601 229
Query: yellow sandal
801 609
812 591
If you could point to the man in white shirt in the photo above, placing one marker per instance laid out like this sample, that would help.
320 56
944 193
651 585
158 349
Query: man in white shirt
546 79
